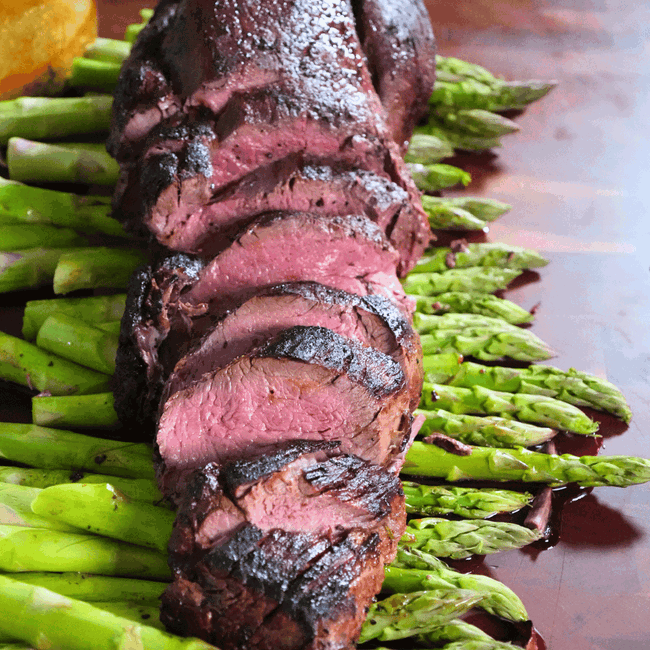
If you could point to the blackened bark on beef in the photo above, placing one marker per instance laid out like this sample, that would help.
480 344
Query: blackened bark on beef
398 42
319 102
309 383
290 185
283 551
144 93
152 306
371 320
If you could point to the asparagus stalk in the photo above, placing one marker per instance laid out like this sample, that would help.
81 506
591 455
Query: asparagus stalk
92 588
16 510
92 74
455 139
93 309
473 303
53 118
132 31
28 269
111 327
58 449
33 205
427 149
486 343
523 465
474 121
48 620
432 178
404 615
537 409
28 365
109 50
459 635
468 255
460 539
145 613
103 510
140 489
463 212
92 268
474 279
571 386
39 162
78 341
414 570
466 502
38 549
17 237
491 431
75 411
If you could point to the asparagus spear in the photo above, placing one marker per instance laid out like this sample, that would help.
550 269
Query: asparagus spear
75 411
414 570
460 539
483 210
28 269
467 255
48 620
53 118
109 50
473 303
466 502
474 121
103 510
16 510
403 615
92 268
490 431
92 588
459 635
38 549
475 279
491 464
17 237
58 449
39 162
132 31
28 365
427 149
145 613
537 409
571 386
95 75
486 343
139 489
431 178
78 341
455 139
31 205
111 327
93 309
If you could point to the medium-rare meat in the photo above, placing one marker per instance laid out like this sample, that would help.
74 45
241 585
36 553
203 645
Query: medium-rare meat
371 320
284 551
397 39
308 383
293 186
265 86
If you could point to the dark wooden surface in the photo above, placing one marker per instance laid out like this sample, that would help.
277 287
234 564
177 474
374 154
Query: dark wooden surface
576 176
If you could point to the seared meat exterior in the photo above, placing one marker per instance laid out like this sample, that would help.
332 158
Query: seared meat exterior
307 384
284 551
256 83
156 339
398 42
290 186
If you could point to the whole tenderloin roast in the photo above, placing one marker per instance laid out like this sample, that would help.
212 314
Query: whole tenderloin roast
269 350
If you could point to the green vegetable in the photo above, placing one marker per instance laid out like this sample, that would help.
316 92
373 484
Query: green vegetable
75 411
92 74
16 509
475 279
132 31
426 149
20 237
28 269
109 50
435 177
488 464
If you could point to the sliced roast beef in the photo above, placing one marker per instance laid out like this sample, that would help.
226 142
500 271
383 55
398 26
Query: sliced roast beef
283 551
308 383
371 320
290 185
398 42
